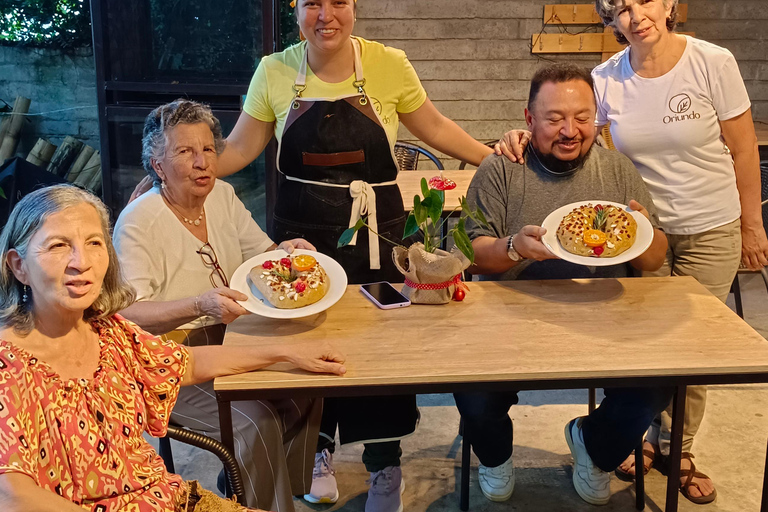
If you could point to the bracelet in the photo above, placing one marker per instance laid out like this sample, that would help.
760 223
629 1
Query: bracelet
198 313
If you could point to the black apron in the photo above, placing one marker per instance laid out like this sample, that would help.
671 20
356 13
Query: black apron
334 156
336 163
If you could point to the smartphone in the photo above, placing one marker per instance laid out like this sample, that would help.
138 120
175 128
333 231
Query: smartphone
384 295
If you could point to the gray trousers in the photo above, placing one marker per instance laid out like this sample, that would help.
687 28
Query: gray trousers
274 439
712 258
274 442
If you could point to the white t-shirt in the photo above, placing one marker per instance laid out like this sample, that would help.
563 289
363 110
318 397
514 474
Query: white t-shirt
668 126
158 254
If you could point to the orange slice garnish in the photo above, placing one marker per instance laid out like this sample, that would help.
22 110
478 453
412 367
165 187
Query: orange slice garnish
303 262
594 238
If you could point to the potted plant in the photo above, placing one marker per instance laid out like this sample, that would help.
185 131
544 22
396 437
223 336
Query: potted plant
432 275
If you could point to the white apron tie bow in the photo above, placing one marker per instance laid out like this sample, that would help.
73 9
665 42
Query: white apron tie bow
364 203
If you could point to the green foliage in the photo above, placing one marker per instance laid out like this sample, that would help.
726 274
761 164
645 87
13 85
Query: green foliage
45 23
426 217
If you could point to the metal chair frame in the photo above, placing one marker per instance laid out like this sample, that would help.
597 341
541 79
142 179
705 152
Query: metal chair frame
234 481
407 155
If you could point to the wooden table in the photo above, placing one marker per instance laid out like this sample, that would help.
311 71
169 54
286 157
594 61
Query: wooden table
515 336
410 185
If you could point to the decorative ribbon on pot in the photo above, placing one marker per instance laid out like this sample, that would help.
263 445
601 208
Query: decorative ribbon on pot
456 281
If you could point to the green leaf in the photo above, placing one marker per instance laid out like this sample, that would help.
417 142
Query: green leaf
347 235
424 187
465 206
421 209
435 206
411 226
481 217
462 241
2 194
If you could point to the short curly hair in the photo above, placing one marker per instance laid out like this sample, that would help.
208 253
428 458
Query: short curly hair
607 11
169 115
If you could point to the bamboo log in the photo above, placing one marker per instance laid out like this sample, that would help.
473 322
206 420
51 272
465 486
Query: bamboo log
13 128
79 164
64 156
41 153
95 184
91 169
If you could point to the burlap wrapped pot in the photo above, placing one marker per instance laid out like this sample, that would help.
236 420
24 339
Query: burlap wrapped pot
420 266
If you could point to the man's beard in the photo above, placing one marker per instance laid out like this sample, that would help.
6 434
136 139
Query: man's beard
553 165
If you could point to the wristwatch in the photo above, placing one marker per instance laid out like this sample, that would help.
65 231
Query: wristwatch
511 251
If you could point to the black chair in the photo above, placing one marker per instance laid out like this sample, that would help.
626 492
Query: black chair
735 286
234 481
407 156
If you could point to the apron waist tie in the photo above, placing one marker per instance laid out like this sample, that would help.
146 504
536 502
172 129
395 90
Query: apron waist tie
363 203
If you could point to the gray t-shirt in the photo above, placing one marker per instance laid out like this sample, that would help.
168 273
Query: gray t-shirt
512 196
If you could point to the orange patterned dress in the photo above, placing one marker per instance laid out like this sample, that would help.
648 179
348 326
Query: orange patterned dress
83 439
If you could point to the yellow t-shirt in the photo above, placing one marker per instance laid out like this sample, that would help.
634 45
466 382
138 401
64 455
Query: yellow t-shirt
391 84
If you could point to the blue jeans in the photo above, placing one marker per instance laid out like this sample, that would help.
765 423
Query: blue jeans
611 432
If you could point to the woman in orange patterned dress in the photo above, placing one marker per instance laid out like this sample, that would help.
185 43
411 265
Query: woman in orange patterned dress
79 384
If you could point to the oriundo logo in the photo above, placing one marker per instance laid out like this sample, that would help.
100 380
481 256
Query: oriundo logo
680 104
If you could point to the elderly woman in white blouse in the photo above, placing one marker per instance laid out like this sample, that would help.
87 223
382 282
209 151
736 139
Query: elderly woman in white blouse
179 245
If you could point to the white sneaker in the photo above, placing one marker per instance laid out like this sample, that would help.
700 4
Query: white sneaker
498 483
591 483
324 488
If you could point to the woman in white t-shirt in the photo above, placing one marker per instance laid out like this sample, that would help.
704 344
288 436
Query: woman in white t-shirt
677 107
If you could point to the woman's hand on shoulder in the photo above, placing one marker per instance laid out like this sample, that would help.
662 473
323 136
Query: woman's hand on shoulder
296 243
754 247
318 358
143 186
512 145
220 304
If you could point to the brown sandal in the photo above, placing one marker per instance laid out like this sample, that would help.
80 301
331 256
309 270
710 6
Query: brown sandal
651 454
689 475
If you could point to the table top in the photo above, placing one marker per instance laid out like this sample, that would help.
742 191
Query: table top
410 185
520 331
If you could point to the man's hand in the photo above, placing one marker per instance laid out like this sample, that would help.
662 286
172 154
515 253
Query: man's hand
512 145
754 247
220 304
319 359
528 244
634 205
143 186
296 243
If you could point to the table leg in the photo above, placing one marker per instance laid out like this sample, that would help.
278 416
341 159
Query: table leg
466 454
764 503
675 449
639 477
227 436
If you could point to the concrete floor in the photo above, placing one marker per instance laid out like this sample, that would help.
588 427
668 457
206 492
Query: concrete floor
730 448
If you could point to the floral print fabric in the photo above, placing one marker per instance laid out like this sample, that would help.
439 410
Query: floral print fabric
83 439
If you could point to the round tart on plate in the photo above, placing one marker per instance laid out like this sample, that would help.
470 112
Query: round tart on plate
597 231
291 282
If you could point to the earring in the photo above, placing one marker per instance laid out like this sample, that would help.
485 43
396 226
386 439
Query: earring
25 297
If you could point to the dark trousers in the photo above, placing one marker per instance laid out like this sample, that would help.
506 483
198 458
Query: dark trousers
611 432
388 418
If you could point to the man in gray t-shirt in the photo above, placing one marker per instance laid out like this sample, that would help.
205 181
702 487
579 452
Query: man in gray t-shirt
513 196
562 167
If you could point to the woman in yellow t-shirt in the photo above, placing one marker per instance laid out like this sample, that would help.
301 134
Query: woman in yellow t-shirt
334 102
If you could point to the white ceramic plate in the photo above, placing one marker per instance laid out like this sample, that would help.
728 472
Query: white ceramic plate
552 222
256 302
